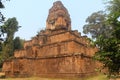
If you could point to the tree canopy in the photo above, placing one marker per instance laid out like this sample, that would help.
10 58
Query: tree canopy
105 28
96 25
10 27
18 43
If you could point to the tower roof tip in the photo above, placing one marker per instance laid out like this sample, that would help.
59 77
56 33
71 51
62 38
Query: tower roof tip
57 2
58 17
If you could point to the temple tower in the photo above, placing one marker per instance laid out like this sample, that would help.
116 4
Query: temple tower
58 17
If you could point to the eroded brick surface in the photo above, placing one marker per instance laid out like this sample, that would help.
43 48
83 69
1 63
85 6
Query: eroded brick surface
55 51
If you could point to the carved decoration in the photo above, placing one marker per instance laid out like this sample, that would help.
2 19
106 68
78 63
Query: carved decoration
58 17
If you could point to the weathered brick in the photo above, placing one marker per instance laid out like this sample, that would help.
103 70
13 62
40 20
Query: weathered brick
56 51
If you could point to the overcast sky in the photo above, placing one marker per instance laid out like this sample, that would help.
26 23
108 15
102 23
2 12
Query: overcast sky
32 14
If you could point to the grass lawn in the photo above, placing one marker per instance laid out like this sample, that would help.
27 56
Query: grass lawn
99 77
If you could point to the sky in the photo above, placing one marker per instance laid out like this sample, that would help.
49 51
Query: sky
32 14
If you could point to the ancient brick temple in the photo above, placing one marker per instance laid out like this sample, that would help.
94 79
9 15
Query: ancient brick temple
55 51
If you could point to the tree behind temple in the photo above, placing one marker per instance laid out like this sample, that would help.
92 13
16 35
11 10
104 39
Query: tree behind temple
18 43
96 25
10 27
109 48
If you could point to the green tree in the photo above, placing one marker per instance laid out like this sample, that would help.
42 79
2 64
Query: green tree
10 27
18 43
106 29
2 19
109 48
96 25
109 54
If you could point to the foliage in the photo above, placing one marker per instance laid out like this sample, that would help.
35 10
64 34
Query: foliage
105 28
109 54
96 25
10 27
18 43
109 48
2 19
